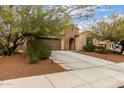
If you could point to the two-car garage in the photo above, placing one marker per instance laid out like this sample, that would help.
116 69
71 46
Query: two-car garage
54 42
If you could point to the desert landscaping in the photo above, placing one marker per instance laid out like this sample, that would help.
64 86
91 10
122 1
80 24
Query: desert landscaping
59 47
16 66
110 57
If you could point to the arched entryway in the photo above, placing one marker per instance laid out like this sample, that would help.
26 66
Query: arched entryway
71 44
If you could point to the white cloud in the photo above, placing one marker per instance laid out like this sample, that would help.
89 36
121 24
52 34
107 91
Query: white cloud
84 25
103 10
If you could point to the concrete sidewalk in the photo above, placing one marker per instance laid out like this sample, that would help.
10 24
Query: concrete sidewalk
86 72
87 78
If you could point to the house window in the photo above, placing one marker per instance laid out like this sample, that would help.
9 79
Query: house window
89 40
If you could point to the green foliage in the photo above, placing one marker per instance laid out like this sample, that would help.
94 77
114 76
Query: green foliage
32 50
89 48
109 28
45 51
3 51
112 51
37 50
17 23
100 49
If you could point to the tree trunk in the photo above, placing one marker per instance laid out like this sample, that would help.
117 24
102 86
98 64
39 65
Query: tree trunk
11 50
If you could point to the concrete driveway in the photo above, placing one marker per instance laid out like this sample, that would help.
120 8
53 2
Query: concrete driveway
84 72
96 72
76 61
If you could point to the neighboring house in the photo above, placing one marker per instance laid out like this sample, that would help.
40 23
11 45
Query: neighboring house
84 39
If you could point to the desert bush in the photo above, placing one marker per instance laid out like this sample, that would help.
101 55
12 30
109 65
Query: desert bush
45 51
100 49
3 50
37 50
89 48
112 51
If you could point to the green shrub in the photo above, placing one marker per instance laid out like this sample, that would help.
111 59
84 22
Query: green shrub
3 50
45 51
89 48
112 51
37 50
101 49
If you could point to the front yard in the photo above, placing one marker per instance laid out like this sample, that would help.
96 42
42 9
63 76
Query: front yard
110 57
17 66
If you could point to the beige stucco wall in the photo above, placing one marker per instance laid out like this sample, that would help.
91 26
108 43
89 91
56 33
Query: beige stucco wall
95 42
81 40
76 43
62 44
70 34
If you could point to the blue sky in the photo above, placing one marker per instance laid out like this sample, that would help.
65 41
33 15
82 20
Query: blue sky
113 9
101 13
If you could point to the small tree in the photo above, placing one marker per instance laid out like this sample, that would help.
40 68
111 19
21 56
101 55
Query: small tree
17 23
110 28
